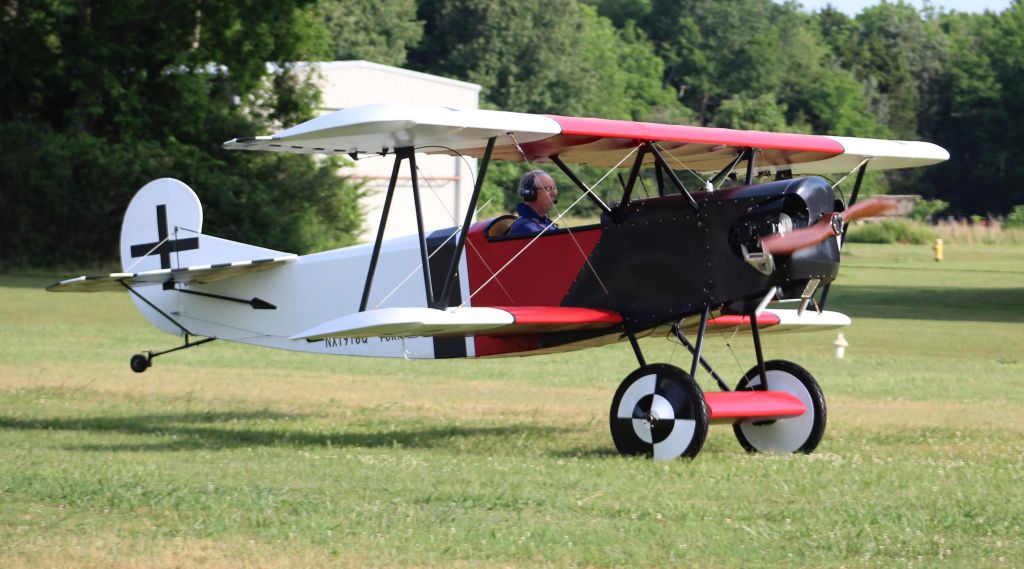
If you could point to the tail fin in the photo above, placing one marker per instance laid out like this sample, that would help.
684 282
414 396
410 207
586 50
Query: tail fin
162 229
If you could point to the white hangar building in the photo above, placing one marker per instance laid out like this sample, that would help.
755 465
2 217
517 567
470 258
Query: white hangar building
445 182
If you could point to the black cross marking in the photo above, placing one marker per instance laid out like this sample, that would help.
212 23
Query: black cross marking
162 247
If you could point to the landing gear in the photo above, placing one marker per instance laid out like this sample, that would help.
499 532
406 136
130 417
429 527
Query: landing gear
140 363
794 434
659 411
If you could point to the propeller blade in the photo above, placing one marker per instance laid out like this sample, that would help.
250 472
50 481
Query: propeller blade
792 241
868 208
826 227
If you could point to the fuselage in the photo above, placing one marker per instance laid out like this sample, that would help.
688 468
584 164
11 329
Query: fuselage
653 261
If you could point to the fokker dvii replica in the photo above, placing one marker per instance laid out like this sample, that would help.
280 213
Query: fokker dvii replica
665 259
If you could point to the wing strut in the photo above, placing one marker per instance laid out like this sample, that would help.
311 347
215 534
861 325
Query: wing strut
579 183
375 256
750 165
727 170
653 149
449 279
427 284
842 237
660 176
633 173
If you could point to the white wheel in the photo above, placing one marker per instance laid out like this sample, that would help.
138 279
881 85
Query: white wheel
659 411
795 434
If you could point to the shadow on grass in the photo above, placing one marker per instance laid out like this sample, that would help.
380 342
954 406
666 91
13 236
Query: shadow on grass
187 432
930 303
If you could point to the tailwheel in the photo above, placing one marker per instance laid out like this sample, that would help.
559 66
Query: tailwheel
659 411
795 434
140 363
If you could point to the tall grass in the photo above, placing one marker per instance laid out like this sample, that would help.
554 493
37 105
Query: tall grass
988 232
890 231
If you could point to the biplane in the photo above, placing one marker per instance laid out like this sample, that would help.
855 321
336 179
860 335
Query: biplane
677 261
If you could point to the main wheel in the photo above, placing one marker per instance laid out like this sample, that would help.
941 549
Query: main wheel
659 411
794 434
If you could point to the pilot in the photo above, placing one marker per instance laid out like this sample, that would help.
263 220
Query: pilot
539 194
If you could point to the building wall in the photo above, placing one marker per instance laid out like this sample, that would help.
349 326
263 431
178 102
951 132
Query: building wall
446 182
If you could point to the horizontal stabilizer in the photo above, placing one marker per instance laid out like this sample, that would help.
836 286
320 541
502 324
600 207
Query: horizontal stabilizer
185 275
461 321
774 320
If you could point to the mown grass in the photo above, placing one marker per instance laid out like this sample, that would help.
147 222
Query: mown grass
230 456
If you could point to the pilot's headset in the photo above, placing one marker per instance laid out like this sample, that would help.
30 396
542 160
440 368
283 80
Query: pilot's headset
528 185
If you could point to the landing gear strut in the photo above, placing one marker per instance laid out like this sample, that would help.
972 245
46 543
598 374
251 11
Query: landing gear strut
141 362
660 411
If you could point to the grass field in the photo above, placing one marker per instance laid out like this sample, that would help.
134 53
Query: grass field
231 456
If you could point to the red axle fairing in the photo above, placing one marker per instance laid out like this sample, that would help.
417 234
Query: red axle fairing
733 406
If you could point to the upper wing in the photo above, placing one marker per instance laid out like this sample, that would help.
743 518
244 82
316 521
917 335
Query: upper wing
600 142
375 129
462 321
196 274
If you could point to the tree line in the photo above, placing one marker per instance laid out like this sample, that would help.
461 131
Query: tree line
98 97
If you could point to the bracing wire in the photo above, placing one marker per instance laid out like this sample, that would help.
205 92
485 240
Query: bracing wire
419 266
683 164
543 231
469 243
157 246
568 230
855 168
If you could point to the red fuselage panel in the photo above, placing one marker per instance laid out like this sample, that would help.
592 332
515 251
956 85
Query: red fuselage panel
540 275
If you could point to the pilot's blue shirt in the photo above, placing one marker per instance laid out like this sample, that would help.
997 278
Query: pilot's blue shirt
529 221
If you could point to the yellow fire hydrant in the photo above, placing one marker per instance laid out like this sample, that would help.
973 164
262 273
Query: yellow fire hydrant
841 344
937 247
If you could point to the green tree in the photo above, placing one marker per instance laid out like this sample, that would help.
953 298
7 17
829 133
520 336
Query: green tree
753 113
979 116
543 56
381 31
97 98
897 53
714 50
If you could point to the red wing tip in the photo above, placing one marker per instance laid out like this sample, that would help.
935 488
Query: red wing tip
561 315
732 320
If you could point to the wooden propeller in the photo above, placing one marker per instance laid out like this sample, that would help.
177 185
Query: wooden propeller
828 226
